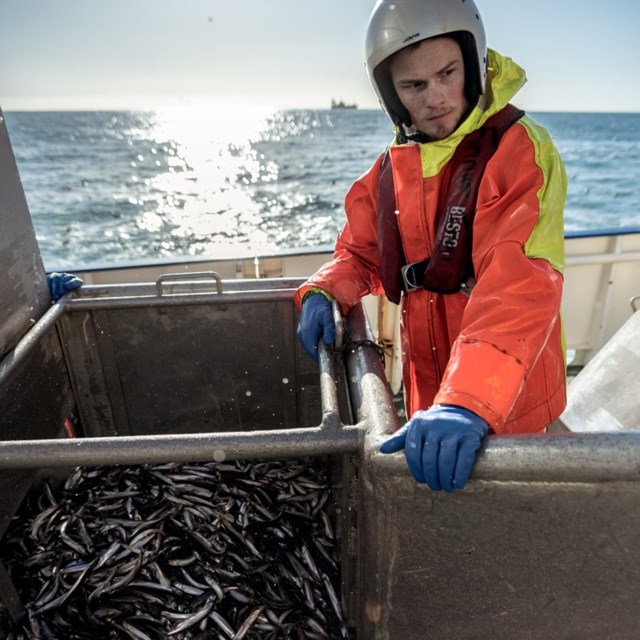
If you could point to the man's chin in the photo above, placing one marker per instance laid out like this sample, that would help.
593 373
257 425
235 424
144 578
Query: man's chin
439 132
437 129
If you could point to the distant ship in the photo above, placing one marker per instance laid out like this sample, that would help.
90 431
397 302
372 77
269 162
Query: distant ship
342 105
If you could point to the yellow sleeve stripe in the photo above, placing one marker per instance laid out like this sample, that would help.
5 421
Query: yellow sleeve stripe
547 238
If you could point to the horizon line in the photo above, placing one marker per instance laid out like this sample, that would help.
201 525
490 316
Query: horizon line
144 109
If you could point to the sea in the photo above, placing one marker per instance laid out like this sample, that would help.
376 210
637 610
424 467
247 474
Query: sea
111 187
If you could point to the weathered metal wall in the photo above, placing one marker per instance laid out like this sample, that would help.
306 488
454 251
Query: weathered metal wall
212 363
35 401
34 389
544 542
520 553
24 295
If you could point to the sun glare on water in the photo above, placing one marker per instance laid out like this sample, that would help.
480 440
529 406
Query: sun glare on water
210 164
204 180
221 122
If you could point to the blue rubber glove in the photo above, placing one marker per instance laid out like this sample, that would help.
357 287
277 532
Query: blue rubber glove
316 321
440 445
61 283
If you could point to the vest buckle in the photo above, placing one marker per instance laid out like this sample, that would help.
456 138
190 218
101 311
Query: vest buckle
413 275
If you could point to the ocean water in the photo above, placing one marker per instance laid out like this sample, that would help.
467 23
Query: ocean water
111 187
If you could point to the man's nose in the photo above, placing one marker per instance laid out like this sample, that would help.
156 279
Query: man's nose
433 95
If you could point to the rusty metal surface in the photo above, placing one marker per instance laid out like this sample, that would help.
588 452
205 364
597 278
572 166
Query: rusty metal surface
543 542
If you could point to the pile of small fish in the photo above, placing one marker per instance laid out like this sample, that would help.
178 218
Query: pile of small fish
236 550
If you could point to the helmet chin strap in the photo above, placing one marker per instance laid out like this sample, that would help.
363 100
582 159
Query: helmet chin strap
418 136
401 134
402 137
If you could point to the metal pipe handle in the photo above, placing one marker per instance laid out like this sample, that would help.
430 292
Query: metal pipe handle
338 321
188 277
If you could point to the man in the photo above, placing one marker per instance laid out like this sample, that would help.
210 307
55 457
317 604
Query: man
474 244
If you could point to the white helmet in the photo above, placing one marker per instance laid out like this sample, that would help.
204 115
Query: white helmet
396 24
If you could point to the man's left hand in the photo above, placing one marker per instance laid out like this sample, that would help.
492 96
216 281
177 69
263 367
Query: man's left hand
61 283
440 445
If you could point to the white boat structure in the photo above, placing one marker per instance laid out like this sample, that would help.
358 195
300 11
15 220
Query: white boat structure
198 360
601 291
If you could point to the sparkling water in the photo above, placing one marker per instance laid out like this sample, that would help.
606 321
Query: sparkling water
111 187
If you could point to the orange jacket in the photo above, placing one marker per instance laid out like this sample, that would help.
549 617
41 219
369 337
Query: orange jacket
499 351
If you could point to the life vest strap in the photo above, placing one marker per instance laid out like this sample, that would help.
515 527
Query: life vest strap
450 268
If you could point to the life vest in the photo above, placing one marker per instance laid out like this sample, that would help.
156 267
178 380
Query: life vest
449 267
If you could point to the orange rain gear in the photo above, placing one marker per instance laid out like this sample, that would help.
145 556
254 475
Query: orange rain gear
499 351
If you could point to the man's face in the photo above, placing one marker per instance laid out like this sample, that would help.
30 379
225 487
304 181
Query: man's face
429 80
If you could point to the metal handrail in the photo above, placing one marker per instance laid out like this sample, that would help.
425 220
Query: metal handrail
26 345
332 436
196 447
188 277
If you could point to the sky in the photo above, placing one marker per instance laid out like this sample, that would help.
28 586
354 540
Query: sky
579 55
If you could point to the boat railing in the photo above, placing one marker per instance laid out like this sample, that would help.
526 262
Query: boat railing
602 276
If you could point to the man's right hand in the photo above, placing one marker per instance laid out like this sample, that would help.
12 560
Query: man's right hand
440 445
316 321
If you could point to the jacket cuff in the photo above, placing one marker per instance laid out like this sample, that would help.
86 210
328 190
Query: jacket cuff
306 289
312 285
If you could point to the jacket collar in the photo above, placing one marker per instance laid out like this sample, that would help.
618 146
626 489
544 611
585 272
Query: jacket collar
504 79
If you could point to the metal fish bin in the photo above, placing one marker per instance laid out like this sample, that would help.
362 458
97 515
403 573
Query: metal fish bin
186 471
169 378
